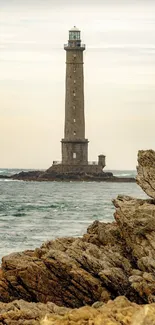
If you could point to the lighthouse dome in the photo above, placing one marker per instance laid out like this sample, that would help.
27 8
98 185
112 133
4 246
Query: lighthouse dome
74 29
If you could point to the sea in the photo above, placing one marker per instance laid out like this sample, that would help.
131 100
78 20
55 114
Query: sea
34 212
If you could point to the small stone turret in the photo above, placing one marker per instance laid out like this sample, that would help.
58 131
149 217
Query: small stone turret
101 160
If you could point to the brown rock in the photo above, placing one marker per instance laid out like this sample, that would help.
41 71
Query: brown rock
117 312
136 221
146 172
145 316
112 259
20 312
70 272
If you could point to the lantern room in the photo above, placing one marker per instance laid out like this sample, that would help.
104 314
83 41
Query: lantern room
74 40
74 34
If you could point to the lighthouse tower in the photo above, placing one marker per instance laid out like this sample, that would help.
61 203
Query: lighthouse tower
74 144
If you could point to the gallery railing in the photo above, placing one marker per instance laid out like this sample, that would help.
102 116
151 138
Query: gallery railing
74 45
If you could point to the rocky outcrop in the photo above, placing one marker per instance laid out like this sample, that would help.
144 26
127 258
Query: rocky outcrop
20 312
28 176
146 171
69 272
136 221
117 312
50 175
110 260
40 176
4 177
73 272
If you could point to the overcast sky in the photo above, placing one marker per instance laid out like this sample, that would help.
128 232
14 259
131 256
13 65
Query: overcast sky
119 79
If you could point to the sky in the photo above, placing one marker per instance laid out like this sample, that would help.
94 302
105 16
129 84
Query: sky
119 70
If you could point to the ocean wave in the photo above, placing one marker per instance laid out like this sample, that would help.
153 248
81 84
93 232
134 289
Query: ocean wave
10 180
44 211
18 214
124 175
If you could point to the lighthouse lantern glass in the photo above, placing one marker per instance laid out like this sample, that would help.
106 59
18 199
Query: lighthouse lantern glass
74 35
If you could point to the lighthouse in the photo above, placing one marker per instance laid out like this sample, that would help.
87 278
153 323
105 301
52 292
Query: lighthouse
74 144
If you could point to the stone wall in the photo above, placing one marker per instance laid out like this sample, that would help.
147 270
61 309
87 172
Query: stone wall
74 153
74 102
88 169
74 144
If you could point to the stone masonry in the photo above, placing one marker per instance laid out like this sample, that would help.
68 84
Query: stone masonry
74 144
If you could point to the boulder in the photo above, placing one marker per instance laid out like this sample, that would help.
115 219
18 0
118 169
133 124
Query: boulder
136 222
146 172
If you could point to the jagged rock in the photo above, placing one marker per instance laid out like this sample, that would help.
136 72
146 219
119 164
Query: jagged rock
20 312
110 260
32 175
117 312
146 172
136 221
70 272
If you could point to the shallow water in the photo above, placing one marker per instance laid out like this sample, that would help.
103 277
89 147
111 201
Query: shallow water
32 212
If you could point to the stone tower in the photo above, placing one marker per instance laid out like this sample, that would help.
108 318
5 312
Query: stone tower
74 144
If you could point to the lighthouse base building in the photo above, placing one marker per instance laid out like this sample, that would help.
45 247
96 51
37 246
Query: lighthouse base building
74 145
90 168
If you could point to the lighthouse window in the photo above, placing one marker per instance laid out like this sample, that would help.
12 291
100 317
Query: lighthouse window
74 120
74 132
74 155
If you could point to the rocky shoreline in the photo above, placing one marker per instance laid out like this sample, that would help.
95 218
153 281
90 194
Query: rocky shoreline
39 176
106 277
